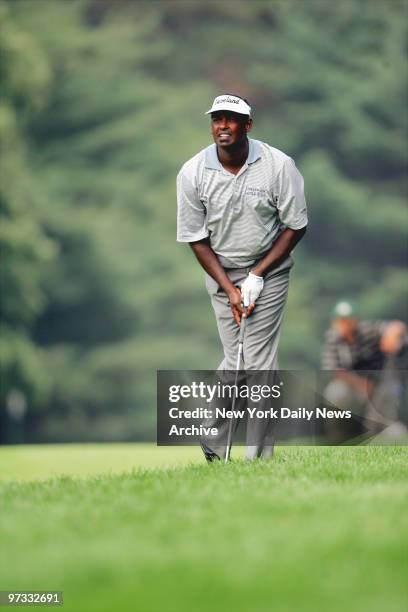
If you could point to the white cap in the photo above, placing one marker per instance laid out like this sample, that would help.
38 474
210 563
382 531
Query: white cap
343 309
230 103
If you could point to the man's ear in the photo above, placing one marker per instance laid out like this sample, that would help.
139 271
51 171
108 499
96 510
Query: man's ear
248 125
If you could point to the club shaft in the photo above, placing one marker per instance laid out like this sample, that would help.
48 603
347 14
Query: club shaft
238 365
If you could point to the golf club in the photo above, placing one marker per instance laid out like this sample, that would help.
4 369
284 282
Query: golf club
240 348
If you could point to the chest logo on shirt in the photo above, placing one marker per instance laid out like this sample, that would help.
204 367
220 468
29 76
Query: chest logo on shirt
255 191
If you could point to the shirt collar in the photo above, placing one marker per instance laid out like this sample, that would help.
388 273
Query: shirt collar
212 161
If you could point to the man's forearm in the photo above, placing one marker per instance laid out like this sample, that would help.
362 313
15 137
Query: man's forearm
357 382
285 243
211 264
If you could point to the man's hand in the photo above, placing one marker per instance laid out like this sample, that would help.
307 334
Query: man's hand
392 338
363 386
250 290
235 300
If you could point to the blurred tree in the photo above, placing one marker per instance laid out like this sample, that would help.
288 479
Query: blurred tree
24 246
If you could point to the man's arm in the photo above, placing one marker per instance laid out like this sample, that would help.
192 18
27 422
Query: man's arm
393 337
253 284
288 192
292 211
191 228
363 385
211 264
285 243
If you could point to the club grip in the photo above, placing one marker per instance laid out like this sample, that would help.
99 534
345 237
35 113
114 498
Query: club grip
242 328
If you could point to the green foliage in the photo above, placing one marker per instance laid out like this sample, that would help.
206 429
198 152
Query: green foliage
102 103
25 247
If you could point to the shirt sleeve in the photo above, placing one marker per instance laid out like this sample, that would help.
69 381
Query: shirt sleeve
290 195
373 330
191 212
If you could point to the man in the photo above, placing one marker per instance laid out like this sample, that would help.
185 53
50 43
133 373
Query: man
366 356
241 207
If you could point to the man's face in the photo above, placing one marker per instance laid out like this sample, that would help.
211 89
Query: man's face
346 328
229 129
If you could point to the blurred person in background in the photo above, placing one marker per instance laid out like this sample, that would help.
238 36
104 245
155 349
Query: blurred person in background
368 358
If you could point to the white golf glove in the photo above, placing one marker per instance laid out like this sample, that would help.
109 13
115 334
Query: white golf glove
251 289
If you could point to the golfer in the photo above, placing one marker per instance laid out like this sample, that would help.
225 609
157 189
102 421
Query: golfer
242 209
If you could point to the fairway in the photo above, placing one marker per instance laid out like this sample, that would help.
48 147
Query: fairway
315 529
31 462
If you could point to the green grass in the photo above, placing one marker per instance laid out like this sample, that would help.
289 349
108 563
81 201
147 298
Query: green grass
316 529
42 461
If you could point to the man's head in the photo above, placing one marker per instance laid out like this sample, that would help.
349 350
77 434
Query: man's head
230 120
344 321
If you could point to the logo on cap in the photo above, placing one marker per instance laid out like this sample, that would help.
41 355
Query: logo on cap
222 100
230 103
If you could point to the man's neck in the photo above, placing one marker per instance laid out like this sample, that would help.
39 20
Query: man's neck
233 158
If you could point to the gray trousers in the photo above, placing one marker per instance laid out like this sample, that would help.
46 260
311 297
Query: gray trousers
260 349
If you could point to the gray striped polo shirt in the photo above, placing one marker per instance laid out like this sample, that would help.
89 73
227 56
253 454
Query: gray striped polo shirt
242 214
